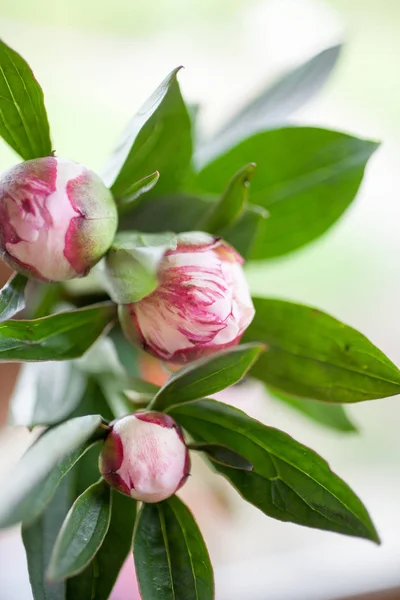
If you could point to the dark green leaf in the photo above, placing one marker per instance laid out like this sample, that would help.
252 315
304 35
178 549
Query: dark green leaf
39 538
333 416
23 120
171 558
131 265
82 533
12 297
290 482
207 376
306 177
42 457
312 355
274 104
158 139
231 205
136 190
222 455
44 396
61 336
243 234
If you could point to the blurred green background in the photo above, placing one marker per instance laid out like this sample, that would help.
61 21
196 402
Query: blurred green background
98 61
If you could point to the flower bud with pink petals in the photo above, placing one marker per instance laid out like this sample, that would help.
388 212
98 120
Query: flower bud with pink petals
202 303
145 456
57 219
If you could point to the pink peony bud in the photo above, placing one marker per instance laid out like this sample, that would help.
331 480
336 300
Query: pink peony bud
201 305
145 456
57 219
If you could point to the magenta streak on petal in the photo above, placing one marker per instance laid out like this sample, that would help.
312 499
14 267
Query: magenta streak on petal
71 250
157 418
186 472
192 353
112 459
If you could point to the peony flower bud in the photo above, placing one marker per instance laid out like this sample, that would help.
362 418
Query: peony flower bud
145 456
57 219
201 305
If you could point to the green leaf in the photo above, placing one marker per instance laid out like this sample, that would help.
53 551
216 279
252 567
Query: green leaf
42 457
131 265
23 119
243 234
171 558
274 104
61 336
45 396
333 416
207 376
12 297
158 139
310 354
39 538
222 455
290 482
306 178
82 533
136 190
231 205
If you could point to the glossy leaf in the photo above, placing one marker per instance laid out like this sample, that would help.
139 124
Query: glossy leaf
171 558
55 445
333 416
274 104
310 354
222 455
306 178
131 265
23 119
157 139
45 396
231 205
82 533
290 482
62 336
12 297
207 376
39 538
136 190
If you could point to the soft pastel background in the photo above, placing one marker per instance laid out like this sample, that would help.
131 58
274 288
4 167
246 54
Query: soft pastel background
97 61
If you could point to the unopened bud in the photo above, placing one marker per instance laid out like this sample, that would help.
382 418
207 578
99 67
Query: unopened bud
145 456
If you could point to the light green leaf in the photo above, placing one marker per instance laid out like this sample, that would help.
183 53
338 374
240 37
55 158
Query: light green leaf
82 533
274 104
157 139
131 266
310 354
207 376
171 558
62 336
136 190
12 296
306 178
289 482
23 119
56 445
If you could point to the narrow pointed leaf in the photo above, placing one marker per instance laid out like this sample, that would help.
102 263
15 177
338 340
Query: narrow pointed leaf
305 175
222 455
231 205
23 119
274 104
157 139
38 538
310 354
62 336
136 190
171 558
289 482
207 376
42 457
244 233
333 416
82 533
12 297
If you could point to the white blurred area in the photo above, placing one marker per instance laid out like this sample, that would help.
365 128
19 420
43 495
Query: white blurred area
93 82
